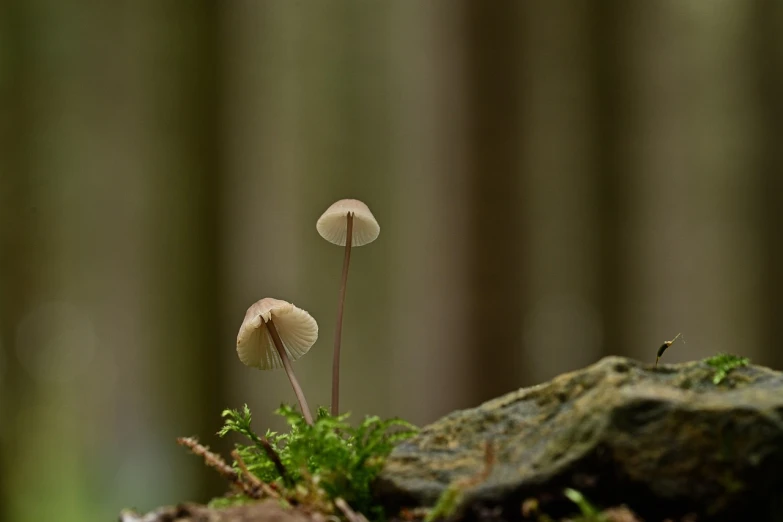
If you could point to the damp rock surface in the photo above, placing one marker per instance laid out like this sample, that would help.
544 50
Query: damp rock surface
267 511
667 442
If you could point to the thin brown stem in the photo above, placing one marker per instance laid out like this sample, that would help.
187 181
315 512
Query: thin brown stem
349 513
275 458
252 484
289 370
338 332
213 460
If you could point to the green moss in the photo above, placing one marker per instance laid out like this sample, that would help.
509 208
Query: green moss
230 500
589 513
730 482
723 363
446 505
330 459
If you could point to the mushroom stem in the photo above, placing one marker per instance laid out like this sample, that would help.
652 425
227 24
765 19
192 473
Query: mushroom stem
338 332
289 370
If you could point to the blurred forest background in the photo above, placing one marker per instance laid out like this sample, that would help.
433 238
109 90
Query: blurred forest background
555 181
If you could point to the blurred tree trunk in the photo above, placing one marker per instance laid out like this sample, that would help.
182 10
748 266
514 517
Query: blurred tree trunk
562 199
20 246
691 247
767 40
493 55
109 191
427 237
608 170
189 214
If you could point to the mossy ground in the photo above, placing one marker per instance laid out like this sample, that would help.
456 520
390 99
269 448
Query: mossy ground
328 466
310 467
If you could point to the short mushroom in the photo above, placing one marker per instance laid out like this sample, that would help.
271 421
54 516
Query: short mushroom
273 333
350 223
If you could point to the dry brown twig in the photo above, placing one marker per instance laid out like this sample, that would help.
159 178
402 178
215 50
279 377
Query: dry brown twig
275 458
247 482
311 495
349 513
211 459
451 498
620 514
253 481
481 476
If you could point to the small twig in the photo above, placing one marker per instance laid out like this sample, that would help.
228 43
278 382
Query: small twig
451 498
247 475
275 458
248 483
411 514
212 460
663 348
349 513
250 478
481 476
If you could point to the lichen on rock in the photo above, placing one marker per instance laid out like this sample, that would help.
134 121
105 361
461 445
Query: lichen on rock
666 442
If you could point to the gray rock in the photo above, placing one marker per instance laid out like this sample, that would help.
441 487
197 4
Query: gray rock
265 511
666 442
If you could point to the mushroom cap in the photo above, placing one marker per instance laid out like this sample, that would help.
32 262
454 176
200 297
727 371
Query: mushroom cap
333 225
255 347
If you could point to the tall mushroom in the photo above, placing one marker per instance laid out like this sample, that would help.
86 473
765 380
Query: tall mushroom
273 334
350 223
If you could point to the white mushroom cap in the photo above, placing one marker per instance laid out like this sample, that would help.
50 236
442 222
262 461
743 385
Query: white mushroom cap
333 226
297 329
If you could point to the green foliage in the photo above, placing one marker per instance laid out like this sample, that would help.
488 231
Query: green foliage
723 363
589 512
230 500
338 458
447 504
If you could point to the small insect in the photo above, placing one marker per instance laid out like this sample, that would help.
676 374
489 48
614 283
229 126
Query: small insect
664 346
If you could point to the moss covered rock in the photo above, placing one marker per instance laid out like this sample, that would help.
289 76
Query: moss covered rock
667 442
